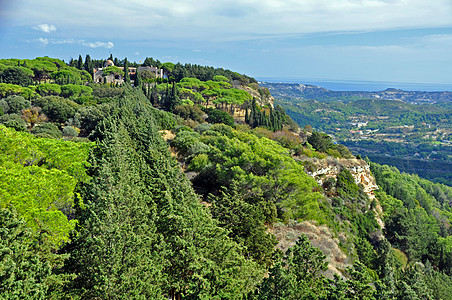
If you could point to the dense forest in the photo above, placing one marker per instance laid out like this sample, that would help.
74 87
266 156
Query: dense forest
175 189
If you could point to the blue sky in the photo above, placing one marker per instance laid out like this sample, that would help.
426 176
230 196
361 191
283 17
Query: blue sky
365 40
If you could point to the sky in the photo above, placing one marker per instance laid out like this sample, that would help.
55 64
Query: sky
394 41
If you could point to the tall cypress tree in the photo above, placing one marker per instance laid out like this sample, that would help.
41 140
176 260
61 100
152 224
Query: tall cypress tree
126 71
138 80
80 63
88 65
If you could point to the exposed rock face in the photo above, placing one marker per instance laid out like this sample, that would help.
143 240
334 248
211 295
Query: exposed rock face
360 170
330 167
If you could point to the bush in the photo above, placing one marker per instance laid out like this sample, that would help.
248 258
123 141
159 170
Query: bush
198 163
70 131
190 112
4 107
16 104
218 116
47 130
203 127
320 141
60 110
184 140
14 121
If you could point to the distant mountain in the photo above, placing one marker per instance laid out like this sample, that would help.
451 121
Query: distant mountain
306 91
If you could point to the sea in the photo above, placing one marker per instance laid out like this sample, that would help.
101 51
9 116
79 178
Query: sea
369 86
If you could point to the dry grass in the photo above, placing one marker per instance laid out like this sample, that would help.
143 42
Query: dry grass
320 237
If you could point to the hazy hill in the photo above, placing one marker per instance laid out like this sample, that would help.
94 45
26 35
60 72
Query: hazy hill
306 91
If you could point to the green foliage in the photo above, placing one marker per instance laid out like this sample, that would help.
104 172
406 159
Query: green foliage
320 141
263 169
16 104
24 274
190 112
144 233
297 275
346 184
112 70
219 116
58 109
70 131
38 178
245 222
220 78
47 130
74 91
13 121
47 89
16 75
7 89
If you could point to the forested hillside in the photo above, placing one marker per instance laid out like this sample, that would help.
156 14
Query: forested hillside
389 128
200 188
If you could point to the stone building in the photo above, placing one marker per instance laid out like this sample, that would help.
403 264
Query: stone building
99 77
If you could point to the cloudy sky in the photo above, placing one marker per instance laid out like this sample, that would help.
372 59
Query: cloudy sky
365 40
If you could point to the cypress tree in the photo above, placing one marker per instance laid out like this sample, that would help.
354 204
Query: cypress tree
126 72
247 118
138 80
80 63
88 65
154 96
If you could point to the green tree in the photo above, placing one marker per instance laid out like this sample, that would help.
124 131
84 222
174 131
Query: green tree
80 63
320 141
88 65
17 75
138 81
297 275
24 274
126 71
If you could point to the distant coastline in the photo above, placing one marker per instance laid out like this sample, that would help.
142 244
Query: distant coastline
368 86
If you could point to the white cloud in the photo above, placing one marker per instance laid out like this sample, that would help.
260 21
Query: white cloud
45 28
226 20
107 45
44 42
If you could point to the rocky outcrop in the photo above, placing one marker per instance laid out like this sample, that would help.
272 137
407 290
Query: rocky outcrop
322 169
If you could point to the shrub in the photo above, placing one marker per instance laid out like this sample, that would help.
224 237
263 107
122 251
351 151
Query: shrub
193 112
47 130
203 127
199 162
70 131
16 104
14 121
60 110
4 107
219 116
